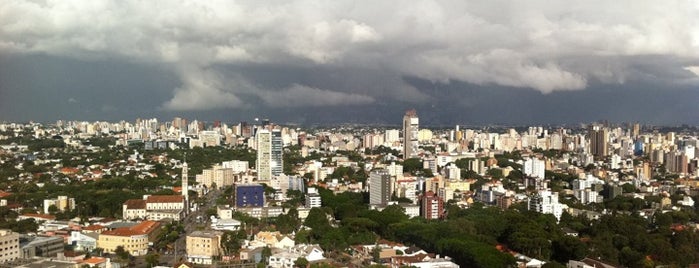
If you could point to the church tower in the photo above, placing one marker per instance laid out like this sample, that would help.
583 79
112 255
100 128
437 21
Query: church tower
185 182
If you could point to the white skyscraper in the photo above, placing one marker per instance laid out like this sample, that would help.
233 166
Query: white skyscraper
410 134
270 148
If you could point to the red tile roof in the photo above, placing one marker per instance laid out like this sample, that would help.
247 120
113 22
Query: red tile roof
42 216
135 204
4 194
145 227
165 199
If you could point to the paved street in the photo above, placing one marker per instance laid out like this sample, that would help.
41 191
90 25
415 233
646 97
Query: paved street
196 220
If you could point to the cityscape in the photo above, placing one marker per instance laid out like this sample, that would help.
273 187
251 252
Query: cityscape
184 193
319 134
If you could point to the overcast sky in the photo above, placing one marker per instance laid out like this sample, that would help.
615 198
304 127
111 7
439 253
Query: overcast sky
513 62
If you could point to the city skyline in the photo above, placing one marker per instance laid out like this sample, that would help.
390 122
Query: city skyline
338 62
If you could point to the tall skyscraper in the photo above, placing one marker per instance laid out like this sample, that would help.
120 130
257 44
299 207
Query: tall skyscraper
410 132
379 187
599 141
269 154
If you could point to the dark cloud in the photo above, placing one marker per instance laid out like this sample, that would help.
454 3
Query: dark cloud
123 58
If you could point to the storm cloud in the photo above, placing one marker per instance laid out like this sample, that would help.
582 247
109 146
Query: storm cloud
364 51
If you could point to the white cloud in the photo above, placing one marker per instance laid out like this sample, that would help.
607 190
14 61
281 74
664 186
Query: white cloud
544 45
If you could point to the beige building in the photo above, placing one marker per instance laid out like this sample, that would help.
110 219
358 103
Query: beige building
203 246
134 239
218 175
9 245
62 203
155 207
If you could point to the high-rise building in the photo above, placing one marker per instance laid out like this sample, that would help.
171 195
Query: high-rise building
313 199
432 206
534 168
636 130
270 148
546 202
599 141
410 134
379 187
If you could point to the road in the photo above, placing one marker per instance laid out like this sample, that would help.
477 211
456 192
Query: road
195 220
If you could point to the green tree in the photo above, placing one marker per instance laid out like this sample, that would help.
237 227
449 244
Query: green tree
153 259
301 262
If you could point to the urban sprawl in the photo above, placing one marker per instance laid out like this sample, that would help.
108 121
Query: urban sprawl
257 194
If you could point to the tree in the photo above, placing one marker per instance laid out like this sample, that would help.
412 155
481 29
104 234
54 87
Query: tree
301 262
53 209
152 259
266 253
122 253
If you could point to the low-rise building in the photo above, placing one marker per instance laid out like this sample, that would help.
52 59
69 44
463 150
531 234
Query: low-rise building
41 246
203 246
134 239
155 207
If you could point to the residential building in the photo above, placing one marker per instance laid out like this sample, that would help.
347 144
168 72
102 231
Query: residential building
379 187
599 141
534 168
546 202
269 154
432 206
10 249
410 134
203 246
313 198
62 204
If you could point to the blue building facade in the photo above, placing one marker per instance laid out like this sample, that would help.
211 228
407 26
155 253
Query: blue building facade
249 195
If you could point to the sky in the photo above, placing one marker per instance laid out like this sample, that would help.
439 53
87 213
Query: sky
322 62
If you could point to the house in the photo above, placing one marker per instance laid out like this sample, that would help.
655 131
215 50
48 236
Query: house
251 254
589 263
83 241
285 258
225 224
274 239
423 261
97 262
